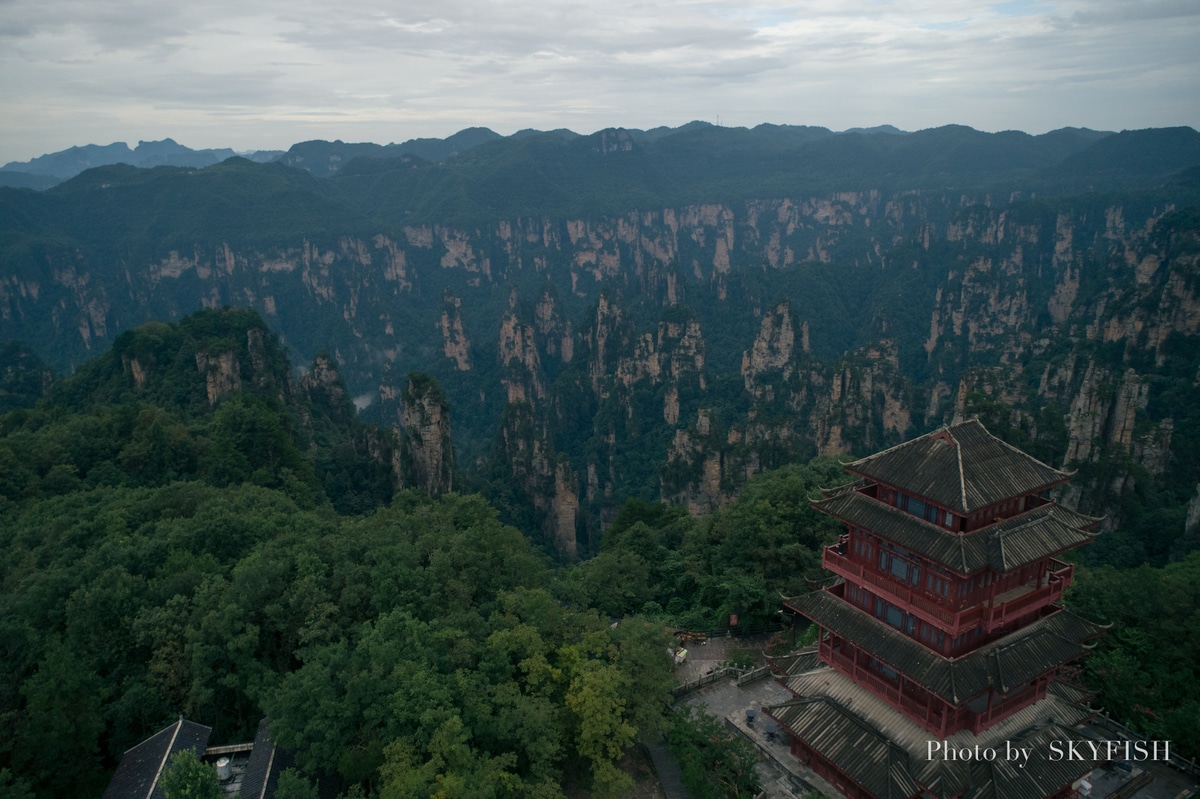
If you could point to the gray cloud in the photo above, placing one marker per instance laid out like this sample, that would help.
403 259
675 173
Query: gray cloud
267 73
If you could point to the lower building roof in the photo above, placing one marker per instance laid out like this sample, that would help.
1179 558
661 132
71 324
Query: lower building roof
797 662
141 767
890 755
266 761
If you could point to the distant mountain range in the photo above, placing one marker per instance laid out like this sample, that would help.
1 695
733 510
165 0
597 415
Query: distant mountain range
53 168
325 158
322 158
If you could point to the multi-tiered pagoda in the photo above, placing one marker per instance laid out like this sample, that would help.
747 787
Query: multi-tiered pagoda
943 635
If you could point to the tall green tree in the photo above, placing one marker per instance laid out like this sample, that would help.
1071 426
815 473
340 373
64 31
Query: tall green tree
186 777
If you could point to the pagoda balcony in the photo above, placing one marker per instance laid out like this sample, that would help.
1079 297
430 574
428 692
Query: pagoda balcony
1023 600
898 593
932 713
978 721
1005 608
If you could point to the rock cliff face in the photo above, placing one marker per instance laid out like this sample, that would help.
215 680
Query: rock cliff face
774 350
674 351
426 451
24 377
519 360
531 467
455 345
323 384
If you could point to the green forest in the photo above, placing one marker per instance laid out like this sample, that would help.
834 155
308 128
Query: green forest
231 558
164 554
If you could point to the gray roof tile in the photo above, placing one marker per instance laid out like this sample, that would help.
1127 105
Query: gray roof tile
1003 546
138 773
962 467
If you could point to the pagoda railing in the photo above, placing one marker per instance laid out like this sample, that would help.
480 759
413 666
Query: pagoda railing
936 716
928 717
1023 698
1057 579
903 595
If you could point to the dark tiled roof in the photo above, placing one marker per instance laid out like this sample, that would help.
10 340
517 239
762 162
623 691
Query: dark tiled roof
1006 664
138 773
851 744
972 470
266 761
1003 546
1062 705
1001 779
860 749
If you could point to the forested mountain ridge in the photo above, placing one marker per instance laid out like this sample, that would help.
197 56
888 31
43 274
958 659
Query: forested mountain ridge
213 398
188 526
625 315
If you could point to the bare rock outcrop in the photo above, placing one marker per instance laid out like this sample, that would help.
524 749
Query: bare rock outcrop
426 452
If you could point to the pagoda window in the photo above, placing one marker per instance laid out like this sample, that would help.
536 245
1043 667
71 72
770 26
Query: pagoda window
899 568
895 617
857 595
916 507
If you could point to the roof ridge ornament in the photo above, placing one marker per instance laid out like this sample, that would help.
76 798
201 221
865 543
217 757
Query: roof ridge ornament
962 477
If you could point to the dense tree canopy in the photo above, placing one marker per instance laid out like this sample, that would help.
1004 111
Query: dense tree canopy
695 572
1145 671
167 551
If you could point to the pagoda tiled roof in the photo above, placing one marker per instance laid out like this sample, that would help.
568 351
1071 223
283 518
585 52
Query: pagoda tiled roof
887 753
962 467
1005 664
1003 546
137 775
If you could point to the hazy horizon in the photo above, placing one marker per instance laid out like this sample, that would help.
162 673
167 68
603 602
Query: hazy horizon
133 144
266 74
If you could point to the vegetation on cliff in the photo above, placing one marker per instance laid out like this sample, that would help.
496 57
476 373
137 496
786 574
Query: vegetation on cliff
695 572
622 283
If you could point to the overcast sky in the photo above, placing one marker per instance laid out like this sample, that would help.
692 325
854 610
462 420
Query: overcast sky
264 74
